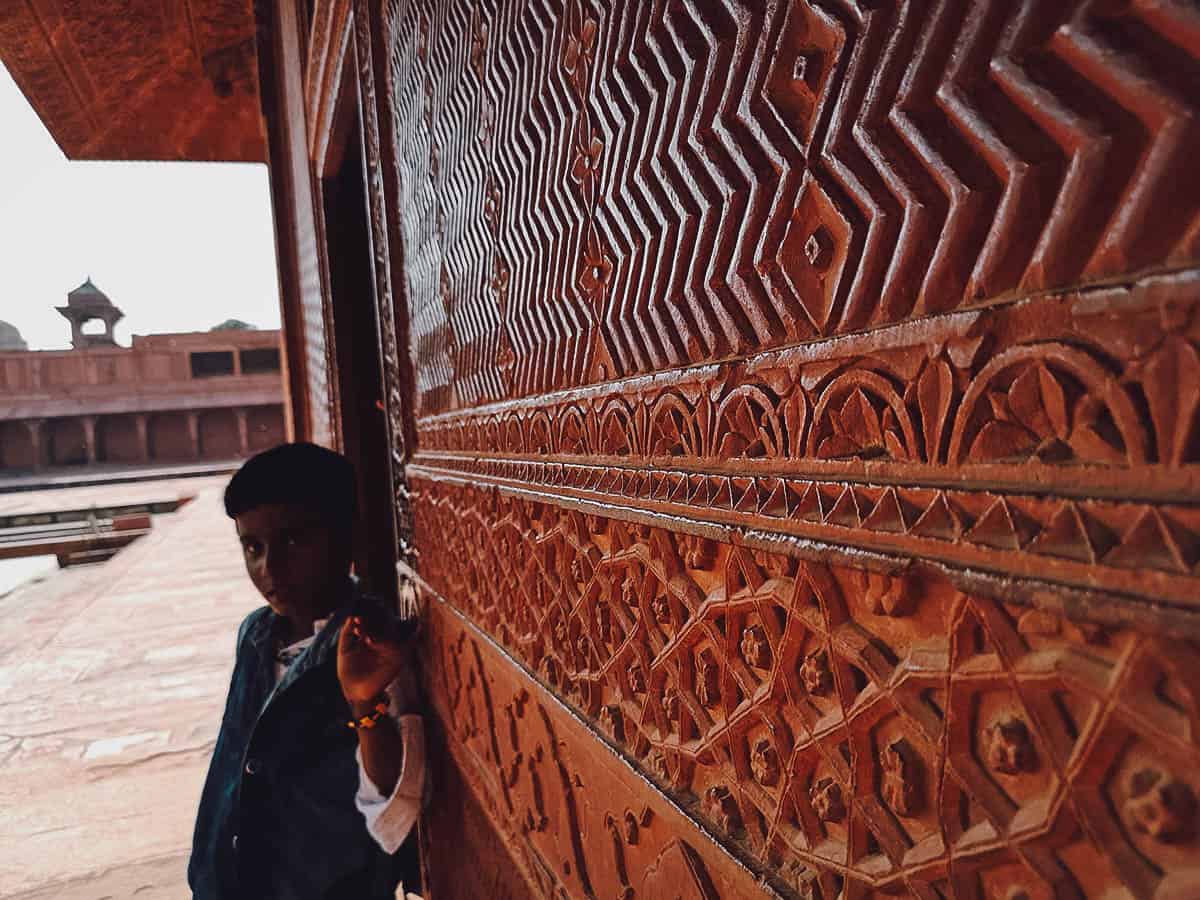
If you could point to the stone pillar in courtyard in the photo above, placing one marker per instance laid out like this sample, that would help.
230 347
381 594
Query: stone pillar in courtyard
243 432
89 437
193 421
143 436
35 440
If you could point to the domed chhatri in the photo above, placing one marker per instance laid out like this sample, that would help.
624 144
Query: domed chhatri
87 294
10 338
233 325
84 304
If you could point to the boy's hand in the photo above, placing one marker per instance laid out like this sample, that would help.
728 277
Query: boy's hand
368 660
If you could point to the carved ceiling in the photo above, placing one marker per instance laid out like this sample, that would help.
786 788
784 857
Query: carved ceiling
139 79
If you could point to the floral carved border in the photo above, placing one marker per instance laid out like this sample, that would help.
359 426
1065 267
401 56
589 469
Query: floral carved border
1085 383
388 300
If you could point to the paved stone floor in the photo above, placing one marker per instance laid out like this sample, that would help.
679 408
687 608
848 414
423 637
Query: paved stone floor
111 684
24 502
102 474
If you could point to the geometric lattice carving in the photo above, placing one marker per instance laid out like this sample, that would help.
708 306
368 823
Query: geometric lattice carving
932 751
576 826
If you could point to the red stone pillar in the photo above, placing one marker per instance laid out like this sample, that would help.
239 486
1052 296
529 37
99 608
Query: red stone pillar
243 432
193 420
143 433
35 440
89 438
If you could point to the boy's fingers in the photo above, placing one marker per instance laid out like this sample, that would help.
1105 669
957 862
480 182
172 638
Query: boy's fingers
352 639
379 643
381 634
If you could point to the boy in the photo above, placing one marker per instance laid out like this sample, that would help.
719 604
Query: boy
317 774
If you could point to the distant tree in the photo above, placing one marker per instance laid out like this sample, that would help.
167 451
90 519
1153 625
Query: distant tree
233 325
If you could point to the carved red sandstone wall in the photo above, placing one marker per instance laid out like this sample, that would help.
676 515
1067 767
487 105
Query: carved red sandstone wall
832 722
583 822
138 79
805 414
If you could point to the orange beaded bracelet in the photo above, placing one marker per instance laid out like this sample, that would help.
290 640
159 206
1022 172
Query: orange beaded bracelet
370 721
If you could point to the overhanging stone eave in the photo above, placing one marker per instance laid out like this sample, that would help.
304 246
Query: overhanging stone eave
188 85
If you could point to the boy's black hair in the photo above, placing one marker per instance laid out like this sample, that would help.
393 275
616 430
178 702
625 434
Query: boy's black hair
305 474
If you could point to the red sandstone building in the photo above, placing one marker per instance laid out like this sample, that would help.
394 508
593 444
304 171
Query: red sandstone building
168 398
788 413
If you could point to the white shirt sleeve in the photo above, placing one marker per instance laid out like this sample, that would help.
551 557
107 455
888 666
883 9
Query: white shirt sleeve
390 819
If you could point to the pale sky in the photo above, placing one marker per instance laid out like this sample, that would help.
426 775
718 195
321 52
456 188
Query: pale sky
177 246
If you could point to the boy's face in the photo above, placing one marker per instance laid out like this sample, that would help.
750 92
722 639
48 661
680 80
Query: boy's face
292 557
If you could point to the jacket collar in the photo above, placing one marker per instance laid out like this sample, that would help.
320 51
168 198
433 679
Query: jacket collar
262 631
316 654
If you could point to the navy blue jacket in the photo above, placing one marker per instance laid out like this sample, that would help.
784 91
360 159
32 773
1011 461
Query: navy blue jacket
277 818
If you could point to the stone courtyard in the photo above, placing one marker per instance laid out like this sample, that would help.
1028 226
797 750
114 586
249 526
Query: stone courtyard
111 683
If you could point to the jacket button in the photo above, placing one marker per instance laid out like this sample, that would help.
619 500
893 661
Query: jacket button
252 767
234 842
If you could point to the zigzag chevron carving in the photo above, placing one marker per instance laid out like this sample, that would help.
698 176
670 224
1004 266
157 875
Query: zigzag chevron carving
597 191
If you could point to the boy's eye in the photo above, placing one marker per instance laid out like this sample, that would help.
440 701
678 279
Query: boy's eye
252 549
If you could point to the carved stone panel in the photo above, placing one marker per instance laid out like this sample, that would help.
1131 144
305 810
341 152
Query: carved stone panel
806 406
577 818
140 79
935 749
